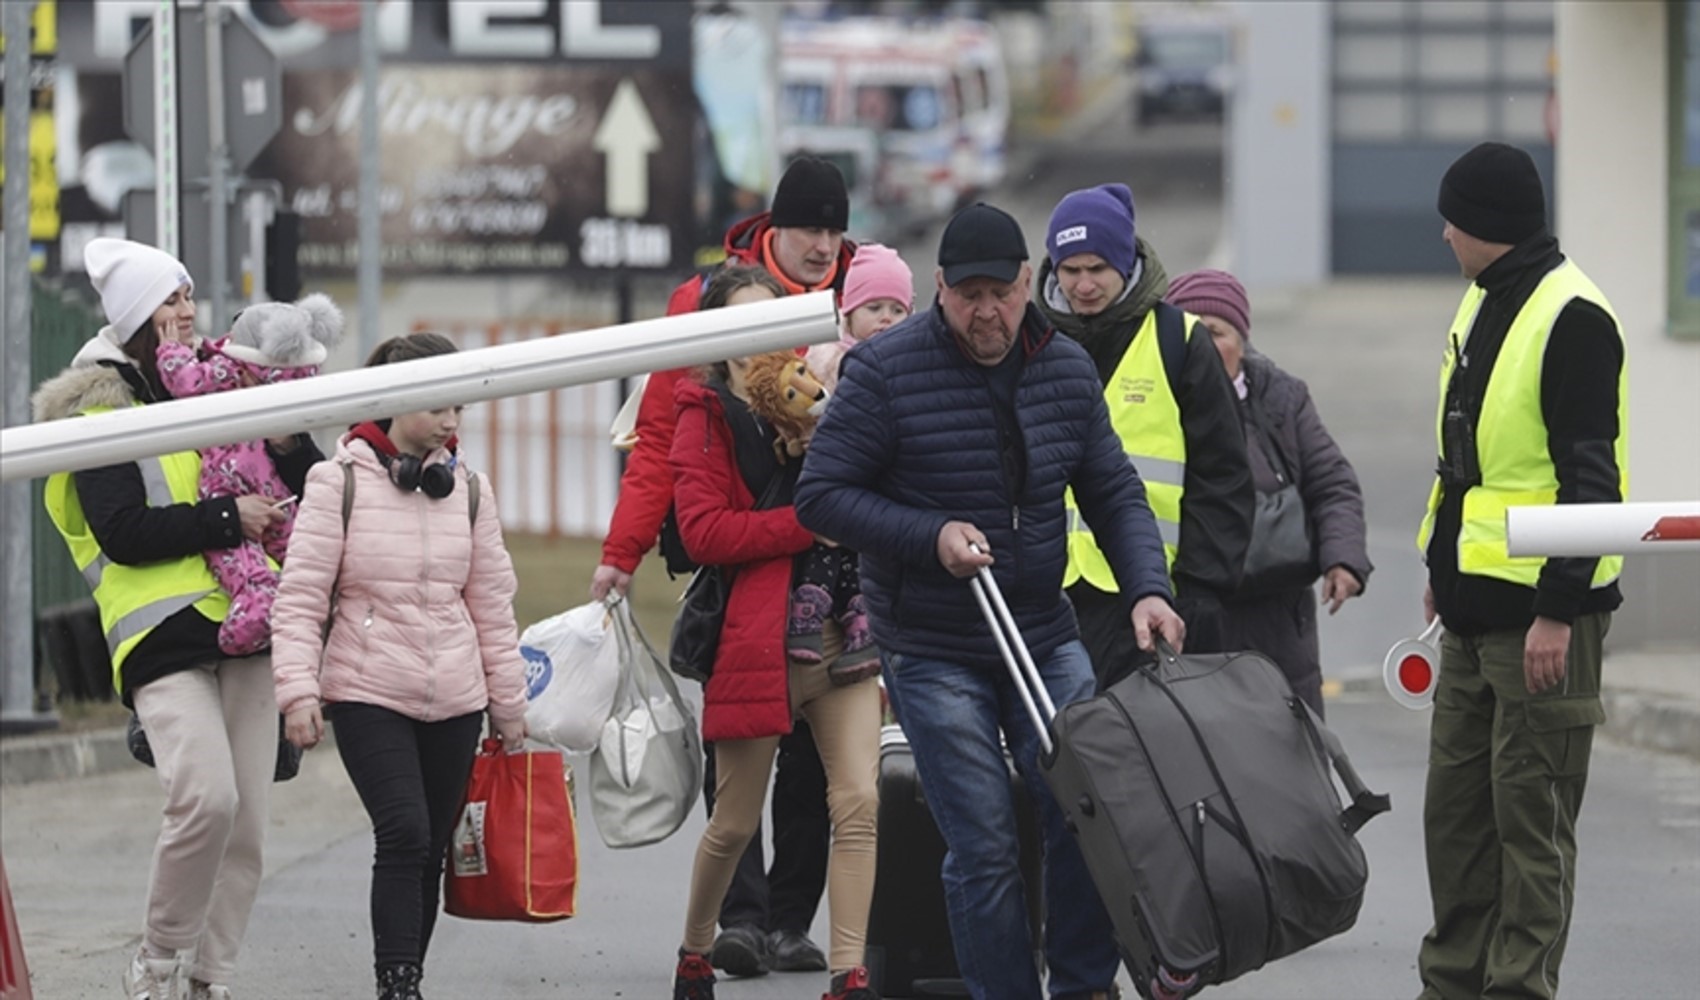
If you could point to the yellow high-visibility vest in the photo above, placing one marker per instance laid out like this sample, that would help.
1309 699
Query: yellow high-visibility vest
1147 419
1511 434
133 600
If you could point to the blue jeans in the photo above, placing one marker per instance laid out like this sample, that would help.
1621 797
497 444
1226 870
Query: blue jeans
951 713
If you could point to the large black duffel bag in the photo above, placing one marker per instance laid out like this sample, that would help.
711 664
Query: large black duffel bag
1201 791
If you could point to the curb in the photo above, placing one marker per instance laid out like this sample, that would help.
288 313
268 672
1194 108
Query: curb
1652 722
25 760
59 756
1645 720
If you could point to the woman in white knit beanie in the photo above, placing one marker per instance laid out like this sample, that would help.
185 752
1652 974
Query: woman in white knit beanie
138 531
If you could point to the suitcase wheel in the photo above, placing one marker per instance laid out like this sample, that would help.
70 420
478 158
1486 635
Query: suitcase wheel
1087 808
1166 985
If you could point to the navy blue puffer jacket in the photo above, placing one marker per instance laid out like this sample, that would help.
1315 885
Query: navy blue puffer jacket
911 441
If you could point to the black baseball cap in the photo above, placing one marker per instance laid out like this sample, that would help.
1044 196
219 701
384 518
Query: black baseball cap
981 241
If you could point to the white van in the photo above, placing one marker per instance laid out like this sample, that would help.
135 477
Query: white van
982 88
934 96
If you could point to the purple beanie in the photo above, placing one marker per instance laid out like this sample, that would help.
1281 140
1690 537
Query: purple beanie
1212 293
1094 220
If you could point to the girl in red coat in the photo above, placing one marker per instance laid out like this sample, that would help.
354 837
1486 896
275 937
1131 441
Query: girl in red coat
733 498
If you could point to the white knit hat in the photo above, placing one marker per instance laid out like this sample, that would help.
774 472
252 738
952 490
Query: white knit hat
133 280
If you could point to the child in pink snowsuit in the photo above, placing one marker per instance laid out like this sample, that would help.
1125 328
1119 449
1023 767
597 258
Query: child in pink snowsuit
269 342
878 293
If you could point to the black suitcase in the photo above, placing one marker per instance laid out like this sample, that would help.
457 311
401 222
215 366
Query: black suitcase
909 952
1201 791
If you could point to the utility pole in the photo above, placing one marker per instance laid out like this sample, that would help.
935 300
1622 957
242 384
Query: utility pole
17 599
218 167
370 266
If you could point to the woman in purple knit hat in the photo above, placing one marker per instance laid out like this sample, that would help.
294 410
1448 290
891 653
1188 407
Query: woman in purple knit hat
1286 443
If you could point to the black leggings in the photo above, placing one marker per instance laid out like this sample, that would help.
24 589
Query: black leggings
411 776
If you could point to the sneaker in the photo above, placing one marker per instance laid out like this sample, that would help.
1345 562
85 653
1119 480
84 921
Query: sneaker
694 978
739 951
851 984
199 990
399 982
152 978
792 951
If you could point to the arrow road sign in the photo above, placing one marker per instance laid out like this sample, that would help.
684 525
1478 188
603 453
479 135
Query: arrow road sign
627 137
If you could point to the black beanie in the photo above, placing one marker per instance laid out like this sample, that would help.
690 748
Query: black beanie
811 195
1494 193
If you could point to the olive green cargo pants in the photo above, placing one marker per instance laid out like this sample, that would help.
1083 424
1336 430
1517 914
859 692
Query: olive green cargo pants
1506 772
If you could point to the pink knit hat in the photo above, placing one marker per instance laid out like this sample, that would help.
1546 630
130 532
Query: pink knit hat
876 272
1212 293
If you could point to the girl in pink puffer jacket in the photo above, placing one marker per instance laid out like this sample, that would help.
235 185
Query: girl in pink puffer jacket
269 342
419 590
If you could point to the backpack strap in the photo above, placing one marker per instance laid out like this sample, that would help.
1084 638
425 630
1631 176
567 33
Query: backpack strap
347 495
1171 342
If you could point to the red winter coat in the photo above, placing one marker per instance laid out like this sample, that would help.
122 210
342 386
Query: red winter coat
747 697
646 488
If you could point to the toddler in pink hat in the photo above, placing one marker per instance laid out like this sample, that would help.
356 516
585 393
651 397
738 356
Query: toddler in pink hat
879 292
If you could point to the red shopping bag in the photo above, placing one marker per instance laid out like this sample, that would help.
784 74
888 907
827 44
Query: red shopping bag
14 975
514 854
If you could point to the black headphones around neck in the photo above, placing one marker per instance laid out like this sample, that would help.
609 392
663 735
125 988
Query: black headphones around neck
409 473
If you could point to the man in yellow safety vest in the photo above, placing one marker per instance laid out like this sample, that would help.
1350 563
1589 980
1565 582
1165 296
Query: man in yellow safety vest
1531 413
1172 407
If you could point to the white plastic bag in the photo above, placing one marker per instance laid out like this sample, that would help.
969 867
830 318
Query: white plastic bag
646 772
572 672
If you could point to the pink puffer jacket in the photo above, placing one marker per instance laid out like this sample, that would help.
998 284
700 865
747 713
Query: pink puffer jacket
424 599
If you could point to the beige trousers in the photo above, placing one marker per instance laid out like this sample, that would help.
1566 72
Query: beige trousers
213 730
846 724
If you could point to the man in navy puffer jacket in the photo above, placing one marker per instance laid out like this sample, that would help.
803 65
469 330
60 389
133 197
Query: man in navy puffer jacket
949 444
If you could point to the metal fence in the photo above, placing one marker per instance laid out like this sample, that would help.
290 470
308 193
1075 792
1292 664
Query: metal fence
61 323
548 455
68 644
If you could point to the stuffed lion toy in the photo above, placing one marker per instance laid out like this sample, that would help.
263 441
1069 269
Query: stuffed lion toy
787 395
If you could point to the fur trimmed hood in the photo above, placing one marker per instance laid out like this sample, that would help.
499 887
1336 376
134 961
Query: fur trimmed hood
87 382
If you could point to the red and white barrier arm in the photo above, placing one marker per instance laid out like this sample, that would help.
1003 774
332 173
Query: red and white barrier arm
1600 529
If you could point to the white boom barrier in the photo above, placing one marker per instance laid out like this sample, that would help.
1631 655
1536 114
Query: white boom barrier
345 398
1602 529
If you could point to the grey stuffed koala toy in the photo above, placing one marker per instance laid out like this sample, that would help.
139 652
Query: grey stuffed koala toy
285 334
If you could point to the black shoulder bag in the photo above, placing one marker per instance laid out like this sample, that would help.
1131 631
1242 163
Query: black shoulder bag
702 608
1282 554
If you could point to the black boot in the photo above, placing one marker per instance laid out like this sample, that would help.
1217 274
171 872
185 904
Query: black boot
399 982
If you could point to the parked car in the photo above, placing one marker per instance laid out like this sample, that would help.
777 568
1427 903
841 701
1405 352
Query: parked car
1183 69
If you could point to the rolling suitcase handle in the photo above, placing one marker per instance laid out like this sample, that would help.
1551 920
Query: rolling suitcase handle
1165 984
1012 646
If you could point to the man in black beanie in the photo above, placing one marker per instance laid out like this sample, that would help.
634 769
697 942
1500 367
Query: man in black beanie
1532 413
767 913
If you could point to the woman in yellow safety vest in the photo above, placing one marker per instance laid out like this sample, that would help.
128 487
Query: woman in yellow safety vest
137 531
